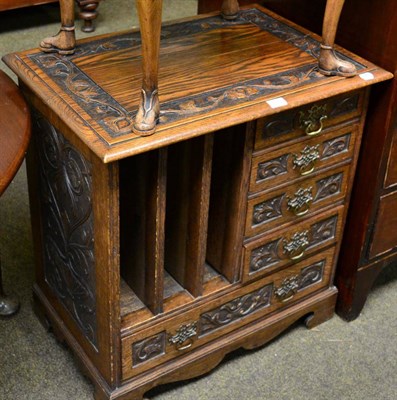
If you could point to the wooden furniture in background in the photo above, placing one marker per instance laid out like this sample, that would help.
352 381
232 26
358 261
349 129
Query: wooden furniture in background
87 9
370 238
150 23
14 139
157 255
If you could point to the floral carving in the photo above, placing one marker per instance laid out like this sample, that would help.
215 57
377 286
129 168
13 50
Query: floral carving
267 210
323 231
328 186
235 310
311 274
264 256
148 349
336 146
66 207
272 168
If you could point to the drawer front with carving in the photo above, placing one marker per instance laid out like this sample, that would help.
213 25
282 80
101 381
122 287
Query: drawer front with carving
288 245
308 121
302 159
291 203
184 333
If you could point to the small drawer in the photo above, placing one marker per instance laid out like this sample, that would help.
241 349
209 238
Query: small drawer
274 209
308 121
291 244
302 159
182 334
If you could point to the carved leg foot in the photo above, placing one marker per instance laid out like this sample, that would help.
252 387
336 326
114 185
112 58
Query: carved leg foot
329 64
230 9
148 114
88 13
64 42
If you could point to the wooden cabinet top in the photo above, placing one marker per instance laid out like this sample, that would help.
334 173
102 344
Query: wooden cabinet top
213 74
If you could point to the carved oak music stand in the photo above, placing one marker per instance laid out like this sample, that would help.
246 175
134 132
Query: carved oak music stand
150 22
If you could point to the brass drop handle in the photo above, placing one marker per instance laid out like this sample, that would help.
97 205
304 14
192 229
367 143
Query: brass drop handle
310 125
305 161
183 338
308 171
295 248
300 203
298 256
312 120
185 347
288 288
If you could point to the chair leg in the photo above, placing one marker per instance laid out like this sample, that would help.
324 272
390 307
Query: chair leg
230 9
149 13
329 63
64 42
88 13
8 305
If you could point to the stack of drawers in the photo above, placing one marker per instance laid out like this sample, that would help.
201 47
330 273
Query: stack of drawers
302 165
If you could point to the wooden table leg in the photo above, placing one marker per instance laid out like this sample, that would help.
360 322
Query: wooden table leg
8 305
230 9
64 41
329 63
149 13
88 13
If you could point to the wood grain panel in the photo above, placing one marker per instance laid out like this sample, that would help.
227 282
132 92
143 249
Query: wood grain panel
385 232
142 214
240 51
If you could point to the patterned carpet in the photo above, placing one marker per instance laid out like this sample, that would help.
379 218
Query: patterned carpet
337 360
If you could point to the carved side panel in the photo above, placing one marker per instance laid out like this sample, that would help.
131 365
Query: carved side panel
272 168
148 349
235 310
68 226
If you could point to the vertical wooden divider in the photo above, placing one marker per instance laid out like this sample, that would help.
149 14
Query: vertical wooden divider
229 188
188 193
142 215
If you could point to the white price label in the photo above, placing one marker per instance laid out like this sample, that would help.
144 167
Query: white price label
367 76
278 102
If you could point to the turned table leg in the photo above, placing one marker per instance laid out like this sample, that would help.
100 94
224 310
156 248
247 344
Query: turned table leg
329 63
88 13
150 23
8 305
230 9
64 41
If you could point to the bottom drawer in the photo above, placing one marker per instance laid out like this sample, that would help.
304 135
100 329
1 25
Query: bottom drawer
212 319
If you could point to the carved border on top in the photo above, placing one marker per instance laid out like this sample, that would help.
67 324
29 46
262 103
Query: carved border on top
117 121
